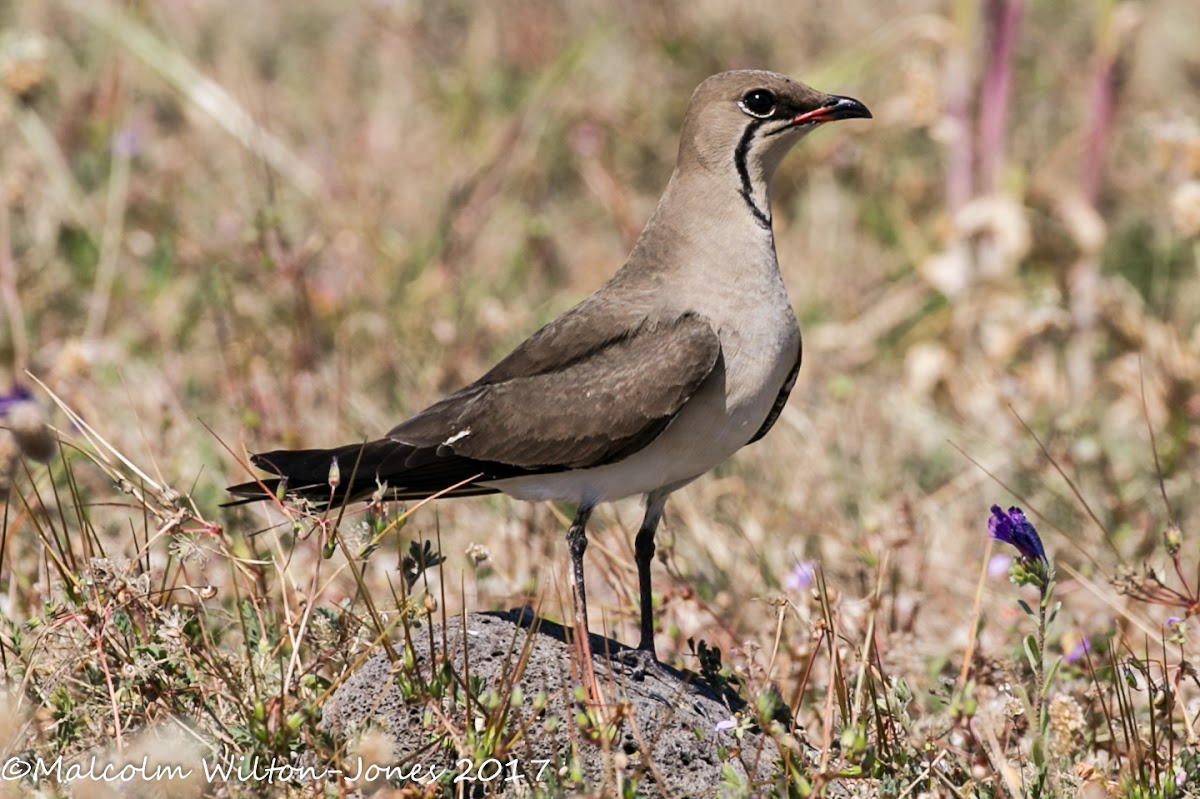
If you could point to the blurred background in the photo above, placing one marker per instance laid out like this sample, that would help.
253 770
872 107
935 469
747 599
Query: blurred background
228 227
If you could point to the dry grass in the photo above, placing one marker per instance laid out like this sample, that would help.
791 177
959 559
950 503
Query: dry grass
226 229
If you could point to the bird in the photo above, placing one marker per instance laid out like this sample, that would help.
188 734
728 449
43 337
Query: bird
684 356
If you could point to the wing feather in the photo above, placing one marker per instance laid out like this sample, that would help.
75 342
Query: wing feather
575 395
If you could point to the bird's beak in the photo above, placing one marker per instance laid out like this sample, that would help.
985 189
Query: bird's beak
835 108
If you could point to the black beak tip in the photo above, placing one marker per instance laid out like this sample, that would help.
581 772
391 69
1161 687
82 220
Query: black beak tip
846 108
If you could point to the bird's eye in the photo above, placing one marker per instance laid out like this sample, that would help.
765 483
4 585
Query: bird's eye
758 103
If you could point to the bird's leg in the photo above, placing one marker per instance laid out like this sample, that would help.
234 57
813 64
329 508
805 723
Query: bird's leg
643 548
577 543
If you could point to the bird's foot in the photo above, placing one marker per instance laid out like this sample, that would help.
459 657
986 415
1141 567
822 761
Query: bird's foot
638 662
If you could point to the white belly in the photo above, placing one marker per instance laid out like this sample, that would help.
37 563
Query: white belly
715 423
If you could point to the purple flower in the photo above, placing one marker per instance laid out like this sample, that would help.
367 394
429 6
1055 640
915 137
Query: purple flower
999 565
725 725
801 576
18 395
1013 528
1078 652
128 141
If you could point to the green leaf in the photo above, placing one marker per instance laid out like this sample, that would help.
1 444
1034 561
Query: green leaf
1025 607
1039 752
250 624
1050 674
77 247
121 620
1031 652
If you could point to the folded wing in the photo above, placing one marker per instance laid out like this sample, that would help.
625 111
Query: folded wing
576 394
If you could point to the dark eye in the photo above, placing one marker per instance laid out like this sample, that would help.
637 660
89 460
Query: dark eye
758 103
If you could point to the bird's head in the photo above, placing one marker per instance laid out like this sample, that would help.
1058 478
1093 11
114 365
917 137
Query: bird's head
747 120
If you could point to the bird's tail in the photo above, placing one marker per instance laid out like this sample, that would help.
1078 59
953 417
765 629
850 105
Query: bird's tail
357 471
321 475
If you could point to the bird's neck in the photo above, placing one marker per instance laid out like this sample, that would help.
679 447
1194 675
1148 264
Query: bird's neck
703 235
713 221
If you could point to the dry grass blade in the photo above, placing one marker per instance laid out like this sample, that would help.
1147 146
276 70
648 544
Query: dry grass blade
203 92
100 446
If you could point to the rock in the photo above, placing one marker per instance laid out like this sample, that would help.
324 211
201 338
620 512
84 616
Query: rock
662 723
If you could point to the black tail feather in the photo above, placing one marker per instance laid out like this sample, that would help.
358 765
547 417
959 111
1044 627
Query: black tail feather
409 473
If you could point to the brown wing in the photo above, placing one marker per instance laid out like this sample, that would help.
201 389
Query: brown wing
578 393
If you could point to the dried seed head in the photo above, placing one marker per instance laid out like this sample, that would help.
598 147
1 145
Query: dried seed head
29 425
375 748
1185 209
478 554
1068 722
1173 538
23 63
9 453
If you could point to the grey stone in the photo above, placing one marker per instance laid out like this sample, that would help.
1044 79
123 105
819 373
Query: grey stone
663 720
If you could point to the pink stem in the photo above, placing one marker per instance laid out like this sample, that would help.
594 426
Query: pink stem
1002 20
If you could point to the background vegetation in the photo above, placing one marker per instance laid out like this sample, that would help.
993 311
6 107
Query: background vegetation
227 227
